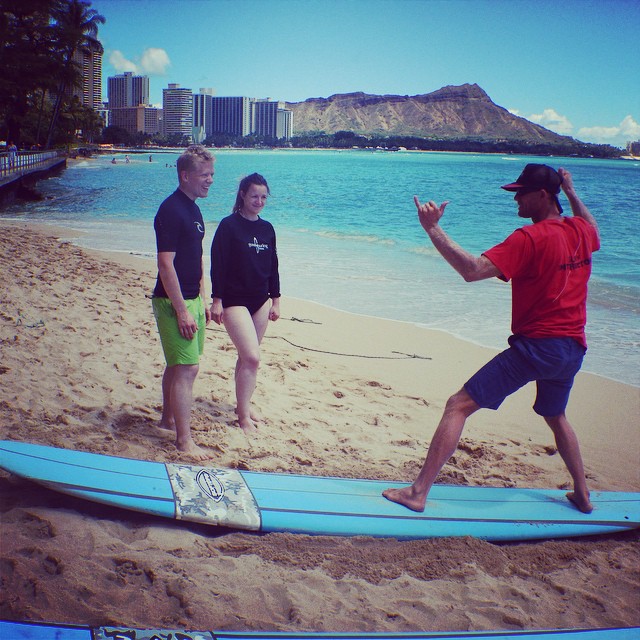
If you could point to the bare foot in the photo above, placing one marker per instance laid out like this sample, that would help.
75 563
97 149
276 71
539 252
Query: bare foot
247 425
254 415
167 426
193 450
407 497
582 504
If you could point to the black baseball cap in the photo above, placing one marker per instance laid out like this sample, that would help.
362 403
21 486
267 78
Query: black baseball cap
537 176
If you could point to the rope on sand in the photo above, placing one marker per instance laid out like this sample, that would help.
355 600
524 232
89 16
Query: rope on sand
304 320
399 354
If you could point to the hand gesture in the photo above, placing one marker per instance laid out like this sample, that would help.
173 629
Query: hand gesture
429 213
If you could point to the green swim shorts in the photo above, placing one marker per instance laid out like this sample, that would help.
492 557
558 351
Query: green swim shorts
179 350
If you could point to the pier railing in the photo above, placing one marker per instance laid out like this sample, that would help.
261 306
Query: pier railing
23 162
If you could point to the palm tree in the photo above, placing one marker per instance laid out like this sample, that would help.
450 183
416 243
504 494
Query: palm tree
25 60
76 29
77 117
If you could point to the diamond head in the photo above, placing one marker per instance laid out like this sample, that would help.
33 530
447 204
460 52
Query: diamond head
461 117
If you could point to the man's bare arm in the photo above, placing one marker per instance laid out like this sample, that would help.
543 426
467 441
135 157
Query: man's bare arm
470 267
578 208
186 324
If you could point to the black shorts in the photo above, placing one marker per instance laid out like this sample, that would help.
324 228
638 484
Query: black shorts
252 303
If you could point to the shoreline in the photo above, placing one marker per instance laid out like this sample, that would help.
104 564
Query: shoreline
213 149
125 256
81 369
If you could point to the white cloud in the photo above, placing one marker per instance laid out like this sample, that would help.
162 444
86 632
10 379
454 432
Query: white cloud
618 136
551 119
627 131
153 62
120 63
598 133
630 127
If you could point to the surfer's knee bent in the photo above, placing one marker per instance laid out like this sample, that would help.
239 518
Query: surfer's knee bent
556 422
461 402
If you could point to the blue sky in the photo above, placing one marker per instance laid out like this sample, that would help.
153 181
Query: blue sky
570 65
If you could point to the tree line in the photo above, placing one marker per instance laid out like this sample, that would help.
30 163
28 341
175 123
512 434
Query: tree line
38 40
347 140
350 140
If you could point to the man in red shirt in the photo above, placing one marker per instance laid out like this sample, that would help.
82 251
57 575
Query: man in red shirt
549 264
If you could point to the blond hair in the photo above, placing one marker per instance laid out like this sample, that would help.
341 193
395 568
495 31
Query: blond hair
193 154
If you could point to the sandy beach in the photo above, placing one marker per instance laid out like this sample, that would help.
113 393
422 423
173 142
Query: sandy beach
342 394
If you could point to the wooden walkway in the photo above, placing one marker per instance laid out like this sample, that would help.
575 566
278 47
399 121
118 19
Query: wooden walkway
26 164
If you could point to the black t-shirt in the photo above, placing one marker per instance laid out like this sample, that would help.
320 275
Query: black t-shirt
180 228
244 259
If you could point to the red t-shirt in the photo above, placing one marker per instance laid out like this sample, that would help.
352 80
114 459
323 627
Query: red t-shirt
549 264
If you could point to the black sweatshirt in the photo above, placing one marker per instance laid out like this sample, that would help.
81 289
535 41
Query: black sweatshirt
244 260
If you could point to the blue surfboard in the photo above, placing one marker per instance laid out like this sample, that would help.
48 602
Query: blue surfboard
35 631
267 502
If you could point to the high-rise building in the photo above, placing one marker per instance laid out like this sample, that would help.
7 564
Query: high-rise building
202 115
272 119
128 102
152 119
140 119
264 118
89 91
177 105
127 90
232 115
284 126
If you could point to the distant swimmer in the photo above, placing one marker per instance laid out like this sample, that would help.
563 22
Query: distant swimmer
548 321
246 286
114 161
179 295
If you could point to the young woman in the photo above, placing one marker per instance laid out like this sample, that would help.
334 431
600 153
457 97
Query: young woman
246 286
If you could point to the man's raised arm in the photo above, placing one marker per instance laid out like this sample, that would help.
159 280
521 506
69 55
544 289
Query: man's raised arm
470 267
578 208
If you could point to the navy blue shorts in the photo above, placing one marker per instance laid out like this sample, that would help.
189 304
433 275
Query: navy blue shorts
551 362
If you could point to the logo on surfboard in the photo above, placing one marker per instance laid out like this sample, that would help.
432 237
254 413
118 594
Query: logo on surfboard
210 484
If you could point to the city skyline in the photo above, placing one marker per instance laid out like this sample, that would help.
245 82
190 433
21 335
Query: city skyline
570 68
191 115
147 100
201 91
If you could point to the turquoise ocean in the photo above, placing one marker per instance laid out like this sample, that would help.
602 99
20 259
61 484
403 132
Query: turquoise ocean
349 238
